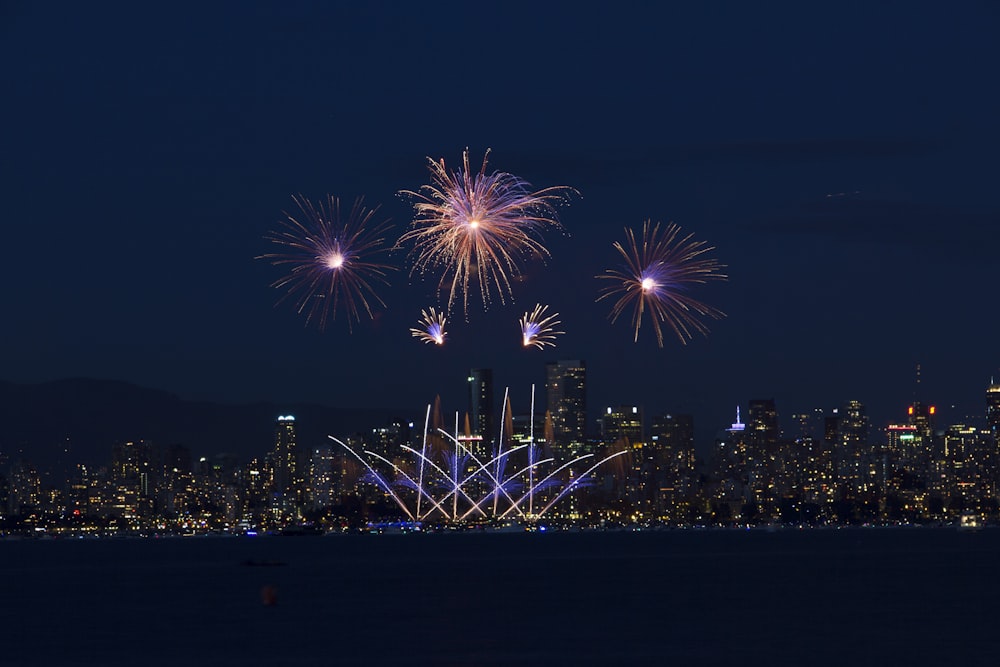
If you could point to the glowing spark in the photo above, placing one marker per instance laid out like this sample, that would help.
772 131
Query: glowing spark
658 272
478 227
538 329
431 327
330 259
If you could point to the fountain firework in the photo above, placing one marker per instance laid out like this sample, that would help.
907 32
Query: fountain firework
455 483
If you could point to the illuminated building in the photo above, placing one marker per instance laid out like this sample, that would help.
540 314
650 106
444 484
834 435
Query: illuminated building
323 470
481 404
622 426
901 443
762 422
566 398
624 421
850 451
289 470
729 467
257 478
922 417
671 440
131 478
25 488
808 425
993 410
388 439
177 488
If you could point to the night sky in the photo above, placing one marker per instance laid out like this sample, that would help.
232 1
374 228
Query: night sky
842 159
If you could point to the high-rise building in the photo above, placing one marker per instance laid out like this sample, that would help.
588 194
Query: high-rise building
132 478
993 409
851 449
762 422
24 493
922 416
289 468
808 425
481 403
623 421
177 486
671 439
899 444
322 476
566 398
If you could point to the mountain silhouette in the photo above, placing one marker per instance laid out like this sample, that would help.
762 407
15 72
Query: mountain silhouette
57 424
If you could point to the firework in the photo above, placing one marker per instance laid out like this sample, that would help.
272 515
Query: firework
431 327
330 259
479 227
458 483
658 272
538 328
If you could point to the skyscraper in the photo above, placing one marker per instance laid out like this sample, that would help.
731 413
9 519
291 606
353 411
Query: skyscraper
481 403
993 409
624 421
762 422
322 476
671 439
566 399
289 471
851 448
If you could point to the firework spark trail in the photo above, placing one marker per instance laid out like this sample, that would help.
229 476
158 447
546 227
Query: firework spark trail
479 227
434 488
385 486
330 259
431 327
538 328
659 270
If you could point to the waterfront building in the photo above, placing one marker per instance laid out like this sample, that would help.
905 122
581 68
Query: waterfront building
481 408
671 440
323 469
289 470
993 410
566 398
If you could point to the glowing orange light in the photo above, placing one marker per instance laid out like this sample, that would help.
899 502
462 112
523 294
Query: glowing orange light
933 409
909 410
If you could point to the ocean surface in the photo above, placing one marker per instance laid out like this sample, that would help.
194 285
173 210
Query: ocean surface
906 596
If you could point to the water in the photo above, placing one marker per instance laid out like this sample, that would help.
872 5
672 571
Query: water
815 597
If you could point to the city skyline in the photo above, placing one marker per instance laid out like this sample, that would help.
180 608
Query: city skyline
830 468
839 163
563 395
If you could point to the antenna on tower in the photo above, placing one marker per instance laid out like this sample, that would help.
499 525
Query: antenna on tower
916 391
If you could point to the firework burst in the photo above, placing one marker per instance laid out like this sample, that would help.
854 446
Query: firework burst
331 259
431 327
538 328
478 227
659 269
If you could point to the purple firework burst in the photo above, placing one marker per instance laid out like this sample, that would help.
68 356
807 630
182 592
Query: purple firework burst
330 259
659 269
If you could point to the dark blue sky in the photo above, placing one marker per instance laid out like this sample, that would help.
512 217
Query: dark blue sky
841 157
